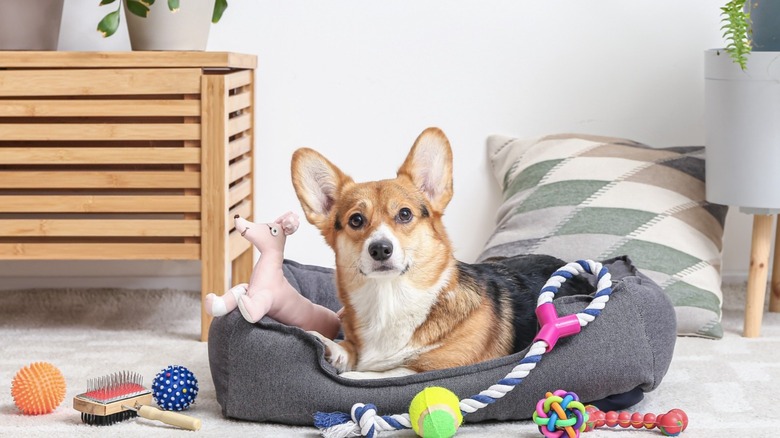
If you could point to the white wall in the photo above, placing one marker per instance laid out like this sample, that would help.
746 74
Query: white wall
359 79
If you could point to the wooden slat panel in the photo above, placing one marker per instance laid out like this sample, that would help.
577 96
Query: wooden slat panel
243 209
103 180
99 227
239 124
137 59
237 244
99 204
99 108
100 251
239 169
99 82
239 146
99 131
99 155
239 101
239 192
238 79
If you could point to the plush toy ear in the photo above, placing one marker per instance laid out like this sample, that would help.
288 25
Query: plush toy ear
289 222
429 165
317 183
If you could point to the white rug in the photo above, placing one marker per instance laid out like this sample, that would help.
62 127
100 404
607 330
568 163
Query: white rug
729 388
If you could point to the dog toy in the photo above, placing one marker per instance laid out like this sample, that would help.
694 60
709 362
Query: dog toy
364 421
269 292
175 388
671 423
434 413
38 388
560 413
120 396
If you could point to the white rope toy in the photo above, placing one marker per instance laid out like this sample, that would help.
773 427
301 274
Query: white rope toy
364 421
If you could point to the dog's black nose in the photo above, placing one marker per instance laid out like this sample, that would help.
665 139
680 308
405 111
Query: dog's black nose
380 250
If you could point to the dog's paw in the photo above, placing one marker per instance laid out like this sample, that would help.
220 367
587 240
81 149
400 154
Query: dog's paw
335 354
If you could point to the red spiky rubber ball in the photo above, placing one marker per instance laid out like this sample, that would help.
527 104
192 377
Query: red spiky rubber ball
38 388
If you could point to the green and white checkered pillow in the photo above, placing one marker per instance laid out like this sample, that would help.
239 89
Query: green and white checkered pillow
579 196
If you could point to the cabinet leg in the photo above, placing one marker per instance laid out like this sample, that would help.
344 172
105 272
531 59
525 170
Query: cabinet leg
774 296
214 278
757 276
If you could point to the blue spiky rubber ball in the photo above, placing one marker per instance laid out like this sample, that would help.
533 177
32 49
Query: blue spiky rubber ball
175 388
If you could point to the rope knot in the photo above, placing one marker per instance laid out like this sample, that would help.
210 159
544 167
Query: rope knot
365 416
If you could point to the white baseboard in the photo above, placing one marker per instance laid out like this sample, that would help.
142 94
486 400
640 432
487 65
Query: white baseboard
734 277
144 275
164 274
180 283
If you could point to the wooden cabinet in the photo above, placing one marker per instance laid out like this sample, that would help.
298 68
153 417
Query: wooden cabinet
128 156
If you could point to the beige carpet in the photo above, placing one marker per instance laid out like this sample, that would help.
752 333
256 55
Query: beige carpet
729 387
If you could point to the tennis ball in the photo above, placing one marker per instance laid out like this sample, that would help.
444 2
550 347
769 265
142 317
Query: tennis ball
435 413
38 388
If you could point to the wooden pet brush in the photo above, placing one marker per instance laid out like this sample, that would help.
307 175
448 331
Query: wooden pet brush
119 396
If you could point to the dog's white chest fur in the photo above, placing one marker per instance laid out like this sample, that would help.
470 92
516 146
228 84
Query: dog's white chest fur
388 313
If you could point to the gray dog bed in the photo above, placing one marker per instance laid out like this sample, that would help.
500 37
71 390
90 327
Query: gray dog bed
275 373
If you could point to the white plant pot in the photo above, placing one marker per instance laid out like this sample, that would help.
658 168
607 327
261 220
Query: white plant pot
742 122
186 29
30 24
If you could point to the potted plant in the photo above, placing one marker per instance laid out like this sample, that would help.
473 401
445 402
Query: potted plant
151 27
30 24
741 95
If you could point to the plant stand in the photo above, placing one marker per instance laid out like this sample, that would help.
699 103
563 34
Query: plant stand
128 156
743 160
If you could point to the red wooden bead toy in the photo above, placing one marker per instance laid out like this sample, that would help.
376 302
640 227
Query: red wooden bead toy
671 423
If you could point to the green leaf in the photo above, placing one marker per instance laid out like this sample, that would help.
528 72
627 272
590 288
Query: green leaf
173 5
109 24
137 8
106 2
219 9
736 31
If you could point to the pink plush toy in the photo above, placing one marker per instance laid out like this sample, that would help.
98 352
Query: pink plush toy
269 292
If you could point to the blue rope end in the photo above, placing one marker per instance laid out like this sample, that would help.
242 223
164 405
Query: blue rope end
324 420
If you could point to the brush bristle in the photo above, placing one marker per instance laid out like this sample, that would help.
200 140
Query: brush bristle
116 386
107 420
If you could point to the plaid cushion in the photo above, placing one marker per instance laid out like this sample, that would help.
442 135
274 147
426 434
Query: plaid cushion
579 196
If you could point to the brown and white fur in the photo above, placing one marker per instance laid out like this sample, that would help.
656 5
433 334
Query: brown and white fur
409 305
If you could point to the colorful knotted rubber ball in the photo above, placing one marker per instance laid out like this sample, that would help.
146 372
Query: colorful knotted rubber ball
38 388
175 388
435 413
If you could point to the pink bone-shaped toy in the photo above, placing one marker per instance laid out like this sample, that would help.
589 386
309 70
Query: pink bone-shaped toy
553 327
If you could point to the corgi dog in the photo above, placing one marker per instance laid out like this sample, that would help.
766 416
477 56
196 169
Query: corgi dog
409 305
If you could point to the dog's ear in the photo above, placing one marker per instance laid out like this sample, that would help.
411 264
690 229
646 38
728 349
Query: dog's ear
429 165
317 183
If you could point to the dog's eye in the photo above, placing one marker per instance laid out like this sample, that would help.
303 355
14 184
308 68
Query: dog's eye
404 215
274 231
356 221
